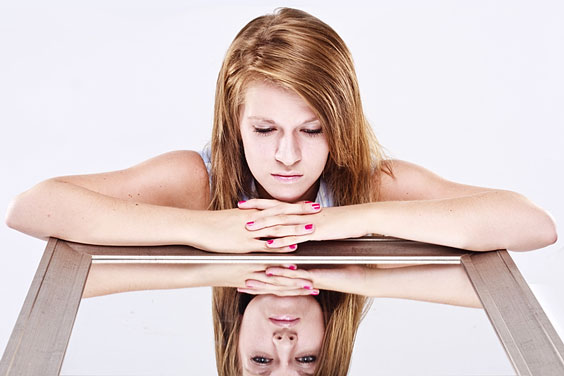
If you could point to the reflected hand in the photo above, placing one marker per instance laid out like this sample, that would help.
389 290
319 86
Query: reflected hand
254 279
344 278
268 283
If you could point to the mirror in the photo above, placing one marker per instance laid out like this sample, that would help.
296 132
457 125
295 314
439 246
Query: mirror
171 332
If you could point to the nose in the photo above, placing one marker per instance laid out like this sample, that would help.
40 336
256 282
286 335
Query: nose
285 338
288 150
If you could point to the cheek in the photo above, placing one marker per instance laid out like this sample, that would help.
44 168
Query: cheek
317 153
256 152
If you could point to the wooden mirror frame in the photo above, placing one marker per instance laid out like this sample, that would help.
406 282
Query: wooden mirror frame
42 331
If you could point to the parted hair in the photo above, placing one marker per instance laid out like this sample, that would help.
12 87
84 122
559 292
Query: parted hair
342 314
299 52
296 51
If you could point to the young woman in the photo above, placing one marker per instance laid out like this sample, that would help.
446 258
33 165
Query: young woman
292 159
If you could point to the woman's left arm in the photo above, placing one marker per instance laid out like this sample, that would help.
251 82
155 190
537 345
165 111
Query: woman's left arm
417 204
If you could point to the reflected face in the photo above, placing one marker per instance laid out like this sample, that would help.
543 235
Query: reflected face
281 336
284 145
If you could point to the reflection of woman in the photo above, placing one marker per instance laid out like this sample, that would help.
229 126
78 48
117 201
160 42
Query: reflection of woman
288 129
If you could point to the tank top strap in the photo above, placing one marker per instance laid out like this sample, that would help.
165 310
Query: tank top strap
205 153
324 197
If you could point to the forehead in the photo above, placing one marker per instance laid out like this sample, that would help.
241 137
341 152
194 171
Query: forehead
261 99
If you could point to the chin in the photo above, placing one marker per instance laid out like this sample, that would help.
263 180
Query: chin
287 197
285 193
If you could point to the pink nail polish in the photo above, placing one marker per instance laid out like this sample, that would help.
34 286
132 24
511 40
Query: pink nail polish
292 246
309 226
308 202
307 287
242 202
293 267
314 292
315 206
269 274
250 223
270 241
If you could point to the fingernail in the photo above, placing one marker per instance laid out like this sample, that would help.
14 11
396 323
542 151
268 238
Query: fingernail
250 223
307 287
314 292
242 202
250 286
308 202
292 267
270 241
269 274
309 226
293 246
315 206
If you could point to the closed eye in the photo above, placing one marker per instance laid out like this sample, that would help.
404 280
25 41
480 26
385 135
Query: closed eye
263 131
312 132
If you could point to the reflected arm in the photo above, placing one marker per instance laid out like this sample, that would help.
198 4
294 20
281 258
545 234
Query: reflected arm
447 284
105 279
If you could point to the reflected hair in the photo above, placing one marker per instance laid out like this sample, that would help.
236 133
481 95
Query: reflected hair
342 314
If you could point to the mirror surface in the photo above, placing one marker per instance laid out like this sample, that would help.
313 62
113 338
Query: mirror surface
170 332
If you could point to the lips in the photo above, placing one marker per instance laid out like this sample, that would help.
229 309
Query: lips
287 177
286 322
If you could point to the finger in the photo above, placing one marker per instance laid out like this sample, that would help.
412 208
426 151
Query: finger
258 203
288 273
278 283
277 232
273 249
298 208
289 266
286 242
259 245
284 221
274 207
293 292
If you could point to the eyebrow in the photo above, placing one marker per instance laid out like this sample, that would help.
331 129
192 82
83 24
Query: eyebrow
267 120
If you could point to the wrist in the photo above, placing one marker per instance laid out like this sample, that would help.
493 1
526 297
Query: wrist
194 226
362 219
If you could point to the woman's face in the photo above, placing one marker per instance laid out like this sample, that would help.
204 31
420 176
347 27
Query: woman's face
281 336
284 146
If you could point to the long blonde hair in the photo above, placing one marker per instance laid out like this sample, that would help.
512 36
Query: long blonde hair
342 314
299 52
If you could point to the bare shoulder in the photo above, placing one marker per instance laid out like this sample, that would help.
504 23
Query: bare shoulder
177 178
413 182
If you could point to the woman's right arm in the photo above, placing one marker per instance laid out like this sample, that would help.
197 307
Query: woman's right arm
159 201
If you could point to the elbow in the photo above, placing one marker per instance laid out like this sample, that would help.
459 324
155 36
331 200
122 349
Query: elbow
20 216
12 214
542 233
550 233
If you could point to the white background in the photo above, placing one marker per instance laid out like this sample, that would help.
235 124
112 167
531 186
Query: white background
471 90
